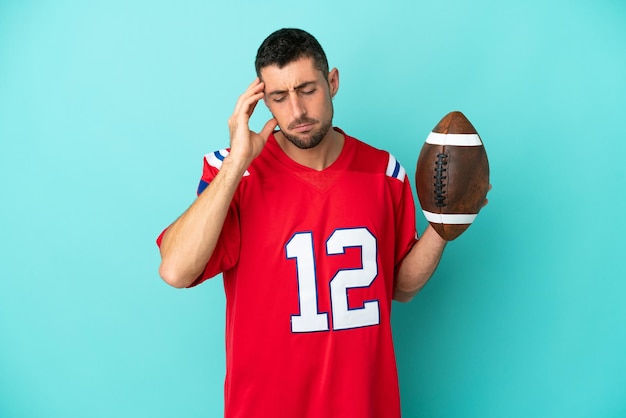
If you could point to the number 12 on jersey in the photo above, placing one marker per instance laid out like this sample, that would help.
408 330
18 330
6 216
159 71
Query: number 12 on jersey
300 248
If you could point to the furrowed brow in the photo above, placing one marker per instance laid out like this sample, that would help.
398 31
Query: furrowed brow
298 87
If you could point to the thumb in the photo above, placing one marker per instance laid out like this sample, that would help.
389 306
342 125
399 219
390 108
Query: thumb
268 128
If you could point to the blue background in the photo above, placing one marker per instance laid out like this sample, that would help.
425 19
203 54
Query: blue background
107 107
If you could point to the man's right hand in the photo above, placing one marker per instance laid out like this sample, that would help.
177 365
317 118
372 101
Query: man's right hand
246 145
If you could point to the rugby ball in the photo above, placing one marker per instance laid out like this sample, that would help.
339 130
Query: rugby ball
452 176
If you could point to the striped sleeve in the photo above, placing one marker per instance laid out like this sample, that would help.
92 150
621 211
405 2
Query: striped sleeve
395 169
212 164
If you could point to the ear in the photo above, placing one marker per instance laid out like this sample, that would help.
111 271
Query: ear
333 81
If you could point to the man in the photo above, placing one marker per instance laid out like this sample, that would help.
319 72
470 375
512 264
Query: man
314 232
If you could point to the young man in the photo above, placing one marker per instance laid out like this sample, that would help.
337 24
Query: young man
314 232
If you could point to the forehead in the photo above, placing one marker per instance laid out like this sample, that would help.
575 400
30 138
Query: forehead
291 75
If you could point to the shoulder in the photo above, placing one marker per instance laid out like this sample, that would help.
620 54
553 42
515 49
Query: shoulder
370 158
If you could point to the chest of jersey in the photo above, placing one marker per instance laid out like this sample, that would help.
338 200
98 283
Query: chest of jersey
316 239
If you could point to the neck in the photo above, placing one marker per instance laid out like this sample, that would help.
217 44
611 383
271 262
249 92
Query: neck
317 158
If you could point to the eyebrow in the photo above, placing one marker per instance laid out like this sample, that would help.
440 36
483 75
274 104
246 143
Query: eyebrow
298 87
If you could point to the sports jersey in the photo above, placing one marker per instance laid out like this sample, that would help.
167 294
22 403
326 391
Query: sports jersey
308 260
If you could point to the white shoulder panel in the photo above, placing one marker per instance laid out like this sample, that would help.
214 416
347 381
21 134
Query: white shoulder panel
395 169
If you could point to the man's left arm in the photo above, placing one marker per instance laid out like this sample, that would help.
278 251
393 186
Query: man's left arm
418 265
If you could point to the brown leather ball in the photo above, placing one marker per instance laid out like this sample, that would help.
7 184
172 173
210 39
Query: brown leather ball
452 176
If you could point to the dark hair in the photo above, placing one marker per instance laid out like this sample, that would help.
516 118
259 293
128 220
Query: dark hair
288 45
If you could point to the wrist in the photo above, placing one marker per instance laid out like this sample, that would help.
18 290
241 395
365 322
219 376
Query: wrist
235 164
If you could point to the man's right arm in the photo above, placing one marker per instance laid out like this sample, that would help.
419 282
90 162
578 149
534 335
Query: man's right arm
189 242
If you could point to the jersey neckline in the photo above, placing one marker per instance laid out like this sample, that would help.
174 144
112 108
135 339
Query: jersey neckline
341 162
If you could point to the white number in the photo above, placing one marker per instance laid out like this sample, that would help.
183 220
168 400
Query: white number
300 247
343 316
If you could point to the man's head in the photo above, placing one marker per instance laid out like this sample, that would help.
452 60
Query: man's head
298 85
288 45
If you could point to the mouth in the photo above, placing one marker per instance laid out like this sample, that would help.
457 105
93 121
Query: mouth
306 127
303 125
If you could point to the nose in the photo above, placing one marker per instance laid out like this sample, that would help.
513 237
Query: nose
297 106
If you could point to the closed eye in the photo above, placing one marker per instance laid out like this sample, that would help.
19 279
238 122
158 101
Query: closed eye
279 99
306 89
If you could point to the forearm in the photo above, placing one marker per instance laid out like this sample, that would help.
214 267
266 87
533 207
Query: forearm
189 242
418 265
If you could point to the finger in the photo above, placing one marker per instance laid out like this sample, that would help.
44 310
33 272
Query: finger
247 107
253 88
257 98
245 102
268 128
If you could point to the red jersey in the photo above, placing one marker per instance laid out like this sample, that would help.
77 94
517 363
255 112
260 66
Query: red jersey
308 260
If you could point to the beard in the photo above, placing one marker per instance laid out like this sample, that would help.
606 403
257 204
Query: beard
310 140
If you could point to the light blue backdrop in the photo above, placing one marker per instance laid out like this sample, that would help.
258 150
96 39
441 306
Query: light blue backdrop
107 107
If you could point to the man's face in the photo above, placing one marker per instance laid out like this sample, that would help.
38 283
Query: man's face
300 98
